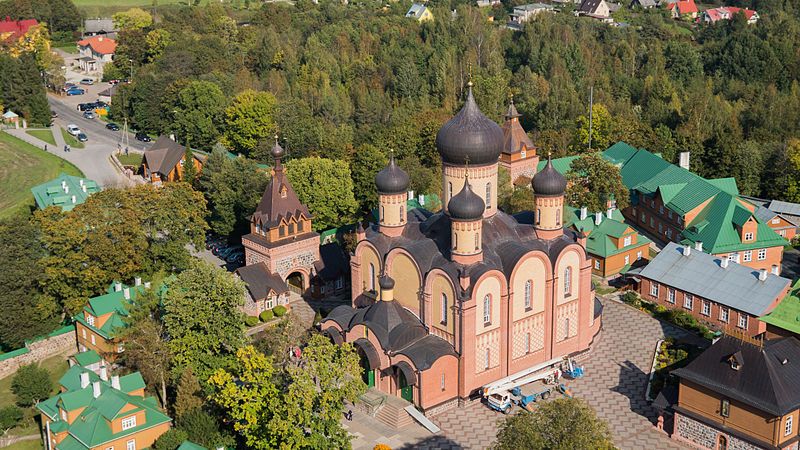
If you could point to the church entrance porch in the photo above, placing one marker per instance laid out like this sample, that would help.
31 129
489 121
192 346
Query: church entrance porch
295 282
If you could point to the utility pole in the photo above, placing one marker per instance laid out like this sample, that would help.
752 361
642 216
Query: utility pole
591 99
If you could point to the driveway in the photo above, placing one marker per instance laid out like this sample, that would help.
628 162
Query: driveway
617 370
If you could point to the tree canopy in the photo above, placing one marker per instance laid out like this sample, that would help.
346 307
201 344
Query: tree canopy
592 182
326 186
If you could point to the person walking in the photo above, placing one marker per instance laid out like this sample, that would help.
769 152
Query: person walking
69 148
65 148
45 147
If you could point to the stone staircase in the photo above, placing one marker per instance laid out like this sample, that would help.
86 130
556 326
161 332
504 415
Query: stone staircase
393 414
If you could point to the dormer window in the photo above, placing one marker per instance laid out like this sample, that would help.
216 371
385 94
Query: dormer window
734 363
90 319
748 237
522 153
725 408
283 191
128 422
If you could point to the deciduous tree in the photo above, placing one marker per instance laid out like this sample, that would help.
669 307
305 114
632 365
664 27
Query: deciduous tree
326 186
248 120
592 181
31 384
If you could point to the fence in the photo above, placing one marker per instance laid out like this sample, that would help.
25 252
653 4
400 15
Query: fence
38 349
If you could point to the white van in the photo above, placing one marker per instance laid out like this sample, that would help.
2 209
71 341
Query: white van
73 130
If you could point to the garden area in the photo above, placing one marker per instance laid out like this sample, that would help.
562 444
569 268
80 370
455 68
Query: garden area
132 159
674 316
672 354
265 316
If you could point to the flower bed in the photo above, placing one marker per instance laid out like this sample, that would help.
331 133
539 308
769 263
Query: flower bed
671 355
678 317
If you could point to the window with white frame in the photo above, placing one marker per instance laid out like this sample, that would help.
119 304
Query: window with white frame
270 303
776 220
742 321
528 293
671 295
747 255
567 280
733 257
748 236
762 254
487 309
488 195
787 427
63 414
653 289
130 445
627 259
688 302
522 154
638 255
128 422
723 314
597 264
93 343
110 448
706 309
782 233
90 319
627 241
444 309
84 333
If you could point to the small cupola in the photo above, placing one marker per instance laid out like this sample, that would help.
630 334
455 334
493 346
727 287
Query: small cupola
548 189
466 223
392 179
392 184
549 182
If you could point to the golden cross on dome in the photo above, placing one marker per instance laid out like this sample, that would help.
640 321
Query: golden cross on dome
276 131
469 83
466 167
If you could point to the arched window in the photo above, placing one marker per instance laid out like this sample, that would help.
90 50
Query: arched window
567 280
455 241
402 218
444 309
538 216
476 241
566 328
449 190
487 309
383 213
488 195
371 276
558 217
528 293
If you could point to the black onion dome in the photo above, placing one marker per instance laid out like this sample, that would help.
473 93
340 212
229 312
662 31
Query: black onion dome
470 134
549 182
277 150
392 179
466 205
386 282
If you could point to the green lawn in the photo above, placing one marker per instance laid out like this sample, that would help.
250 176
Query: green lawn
45 135
35 444
104 8
70 140
23 166
133 159
69 49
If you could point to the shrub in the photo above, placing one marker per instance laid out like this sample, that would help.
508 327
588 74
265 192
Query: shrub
317 317
251 321
381 447
9 417
171 440
630 298
266 316
279 310
660 309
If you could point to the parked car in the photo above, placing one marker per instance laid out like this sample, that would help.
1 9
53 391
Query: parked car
87 81
142 136
112 126
228 251
82 137
234 256
85 106
53 114
100 104
75 91
68 86
89 114
73 129
112 82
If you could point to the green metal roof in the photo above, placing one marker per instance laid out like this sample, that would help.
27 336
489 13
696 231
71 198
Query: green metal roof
413 204
190 446
87 358
66 191
70 443
787 314
598 241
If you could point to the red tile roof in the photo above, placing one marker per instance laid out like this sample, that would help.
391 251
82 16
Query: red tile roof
100 44
684 7
17 28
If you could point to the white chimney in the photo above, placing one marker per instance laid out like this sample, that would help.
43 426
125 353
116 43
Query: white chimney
74 199
63 184
66 189
598 217
147 285
103 373
698 246
584 213
117 286
775 270
80 181
126 293
84 379
137 281
684 160
687 250
96 389
723 262
171 137
411 195
609 211
421 199
100 39
762 275
115 382
84 188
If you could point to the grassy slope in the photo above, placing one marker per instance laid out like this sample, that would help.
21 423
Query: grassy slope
23 166
35 444
104 8
70 140
45 135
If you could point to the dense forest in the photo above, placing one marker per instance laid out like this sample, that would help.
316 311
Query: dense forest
342 81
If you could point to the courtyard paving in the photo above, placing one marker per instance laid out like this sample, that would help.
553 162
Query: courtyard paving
617 370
